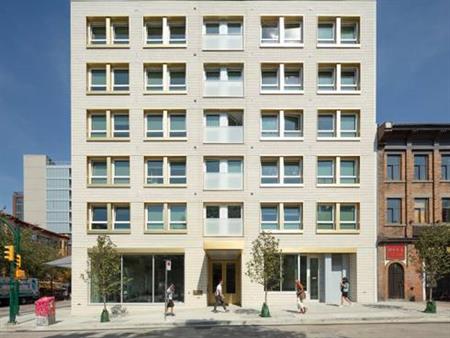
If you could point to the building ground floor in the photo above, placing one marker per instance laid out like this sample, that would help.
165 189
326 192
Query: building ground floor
195 272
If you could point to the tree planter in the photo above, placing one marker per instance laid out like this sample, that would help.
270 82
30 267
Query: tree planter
431 307
105 316
265 310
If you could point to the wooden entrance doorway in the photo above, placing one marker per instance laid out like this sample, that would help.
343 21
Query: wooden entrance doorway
396 281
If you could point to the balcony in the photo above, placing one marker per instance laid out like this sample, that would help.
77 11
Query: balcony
224 134
224 88
223 181
223 227
222 42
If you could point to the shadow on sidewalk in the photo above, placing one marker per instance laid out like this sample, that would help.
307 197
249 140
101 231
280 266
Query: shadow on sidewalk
193 331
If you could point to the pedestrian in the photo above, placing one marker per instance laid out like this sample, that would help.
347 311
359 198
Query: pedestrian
345 288
301 295
170 305
219 297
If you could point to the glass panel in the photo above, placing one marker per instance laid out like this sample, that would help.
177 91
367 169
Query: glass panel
349 171
121 217
314 277
98 34
98 79
98 126
212 28
303 272
446 210
230 286
154 79
269 217
155 125
270 33
234 75
326 79
420 167
349 33
325 216
121 34
325 171
121 171
177 80
121 79
212 120
155 218
155 172
270 125
121 125
212 166
177 216
99 173
393 210
177 125
99 217
154 32
292 171
349 125
234 119
177 31
212 211
348 219
292 80
289 272
349 79
292 32
216 275
326 125
393 167
292 217
234 166
445 167
269 172
234 211
270 80
212 74
177 172
96 297
234 28
174 276
326 32
137 272
292 126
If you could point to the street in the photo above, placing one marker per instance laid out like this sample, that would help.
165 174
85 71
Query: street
299 331
29 308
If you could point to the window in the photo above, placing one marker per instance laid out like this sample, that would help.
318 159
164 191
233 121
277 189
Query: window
223 126
338 170
338 31
108 78
338 216
165 31
338 78
169 124
281 77
98 28
292 267
109 170
326 171
222 33
222 219
446 210
421 167
421 211
157 174
109 216
223 174
281 124
281 31
349 171
393 167
166 217
162 78
291 216
269 217
445 167
223 80
338 124
98 124
394 211
282 170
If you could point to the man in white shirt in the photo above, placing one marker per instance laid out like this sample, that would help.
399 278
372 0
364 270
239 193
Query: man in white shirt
219 297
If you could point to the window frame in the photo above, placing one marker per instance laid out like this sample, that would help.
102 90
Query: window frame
110 171
110 23
281 87
391 211
166 171
281 130
165 23
337 131
110 217
281 177
336 219
166 218
281 23
110 131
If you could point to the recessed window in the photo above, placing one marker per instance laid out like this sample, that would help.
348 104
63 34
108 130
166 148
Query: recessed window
107 78
393 167
421 212
120 33
99 217
446 210
326 32
169 124
283 78
165 31
109 217
281 31
99 128
328 126
121 217
163 78
421 167
394 211
281 170
223 126
338 170
338 78
338 32
445 167
222 33
326 171
223 80
109 170
290 220
223 173
338 216
166 171
281 124
166 217
223 219
98 28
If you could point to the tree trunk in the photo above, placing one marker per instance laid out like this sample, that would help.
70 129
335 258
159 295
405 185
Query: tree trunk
265 296
431 294
104 301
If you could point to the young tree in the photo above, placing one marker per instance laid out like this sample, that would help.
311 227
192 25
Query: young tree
434 257
104 270
264 264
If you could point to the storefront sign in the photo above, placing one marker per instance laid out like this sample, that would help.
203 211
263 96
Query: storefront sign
395 252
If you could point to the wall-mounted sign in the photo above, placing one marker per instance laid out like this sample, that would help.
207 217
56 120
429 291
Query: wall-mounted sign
395 252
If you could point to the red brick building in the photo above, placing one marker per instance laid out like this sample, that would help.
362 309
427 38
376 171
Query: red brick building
414 192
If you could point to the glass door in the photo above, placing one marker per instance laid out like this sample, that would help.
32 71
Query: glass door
313 278
228 272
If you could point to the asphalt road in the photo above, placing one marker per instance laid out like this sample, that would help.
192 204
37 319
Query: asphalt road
29 308
298 331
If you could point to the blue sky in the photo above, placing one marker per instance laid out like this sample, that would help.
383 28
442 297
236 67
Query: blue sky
413 75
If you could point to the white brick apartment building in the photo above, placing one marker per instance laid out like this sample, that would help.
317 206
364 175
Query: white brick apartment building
198 124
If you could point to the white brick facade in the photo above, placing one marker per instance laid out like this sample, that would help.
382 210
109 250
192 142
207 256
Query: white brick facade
360 244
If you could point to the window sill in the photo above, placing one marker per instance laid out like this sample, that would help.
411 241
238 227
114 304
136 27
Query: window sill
393 225
338 232
165 185
339 139
339 45
281 45
339 92
167 46
125 92
422 181
279 185
282 92
166 92
109 232
108 46
219 143
109 186
280 139
222 96
165 232
394 181
227 189
164 139
222 49
108 139
335 185
282 232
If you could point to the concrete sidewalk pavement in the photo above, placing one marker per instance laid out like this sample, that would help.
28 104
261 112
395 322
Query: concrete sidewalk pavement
318 313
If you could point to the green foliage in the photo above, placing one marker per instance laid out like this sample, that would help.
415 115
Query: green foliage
103 268
264 264
431 248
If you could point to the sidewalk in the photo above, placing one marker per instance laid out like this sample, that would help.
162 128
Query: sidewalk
383 312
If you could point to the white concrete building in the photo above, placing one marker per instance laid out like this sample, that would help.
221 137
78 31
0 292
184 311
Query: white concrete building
198 124
46 193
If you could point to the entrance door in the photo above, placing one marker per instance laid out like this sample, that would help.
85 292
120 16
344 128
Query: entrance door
313 269
228 271
396 281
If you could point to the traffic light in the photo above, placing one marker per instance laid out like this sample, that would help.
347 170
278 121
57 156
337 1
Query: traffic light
20 274
9 252
18 261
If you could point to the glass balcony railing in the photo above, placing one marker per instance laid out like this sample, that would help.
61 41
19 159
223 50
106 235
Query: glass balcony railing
225 134
222 42
224 88
223 227
223 181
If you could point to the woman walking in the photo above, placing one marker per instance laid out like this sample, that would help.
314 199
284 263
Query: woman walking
301 295
170 305
345 288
